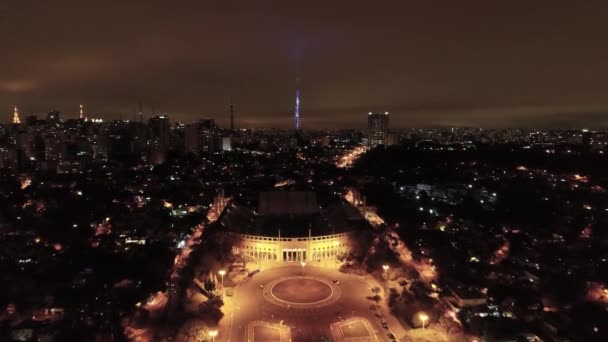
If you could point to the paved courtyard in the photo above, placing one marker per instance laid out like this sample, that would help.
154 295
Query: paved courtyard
354 329
259 331
301 290
305 301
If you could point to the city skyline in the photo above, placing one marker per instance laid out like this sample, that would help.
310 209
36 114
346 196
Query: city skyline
280 171
474 64
227 119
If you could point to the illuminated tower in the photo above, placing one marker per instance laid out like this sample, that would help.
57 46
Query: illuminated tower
81 112
297 108
16 116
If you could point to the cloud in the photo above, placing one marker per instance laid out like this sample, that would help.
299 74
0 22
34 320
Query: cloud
457 64
17 86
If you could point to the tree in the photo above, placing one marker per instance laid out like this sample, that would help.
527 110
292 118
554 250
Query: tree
194 330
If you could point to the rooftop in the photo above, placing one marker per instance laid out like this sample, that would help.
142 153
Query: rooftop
288 202
294 213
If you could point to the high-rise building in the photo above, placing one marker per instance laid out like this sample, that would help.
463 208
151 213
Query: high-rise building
16 119
226 144
158 141
192 138
377 126
208 124
297 106
202 137
81 116
159 133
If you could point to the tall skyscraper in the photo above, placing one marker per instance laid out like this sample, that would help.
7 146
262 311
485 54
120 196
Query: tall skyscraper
297 107
159 133
81 116
226 144
192 138
202 137
377 126
159 127
16 116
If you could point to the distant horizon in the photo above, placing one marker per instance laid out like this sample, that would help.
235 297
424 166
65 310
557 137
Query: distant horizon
475 64
587 117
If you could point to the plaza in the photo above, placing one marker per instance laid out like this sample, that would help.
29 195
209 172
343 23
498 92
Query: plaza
295 303
291 246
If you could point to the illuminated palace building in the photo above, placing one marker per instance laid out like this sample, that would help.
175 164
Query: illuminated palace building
290 226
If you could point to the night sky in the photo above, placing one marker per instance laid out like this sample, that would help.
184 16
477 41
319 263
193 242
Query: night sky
449 63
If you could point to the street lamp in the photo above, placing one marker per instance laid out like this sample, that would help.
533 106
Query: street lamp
222 273
213 333
385 268
423 317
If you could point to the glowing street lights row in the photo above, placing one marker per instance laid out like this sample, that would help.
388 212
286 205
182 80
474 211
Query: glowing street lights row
222 273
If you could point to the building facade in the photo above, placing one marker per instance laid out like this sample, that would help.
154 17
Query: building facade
293 249
290 226
377 127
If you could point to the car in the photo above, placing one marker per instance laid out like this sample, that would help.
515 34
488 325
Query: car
337 282
340 318
261 286
384 325
392 336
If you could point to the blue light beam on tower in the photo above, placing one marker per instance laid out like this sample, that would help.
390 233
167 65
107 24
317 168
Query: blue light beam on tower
297 109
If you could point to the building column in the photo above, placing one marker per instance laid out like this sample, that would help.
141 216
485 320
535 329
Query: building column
309 252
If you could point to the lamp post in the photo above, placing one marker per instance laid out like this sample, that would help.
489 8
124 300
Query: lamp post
222 273
385 268
213 333
303 263
423 318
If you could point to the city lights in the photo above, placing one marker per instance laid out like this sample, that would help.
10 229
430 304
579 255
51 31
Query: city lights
423 318
299 172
